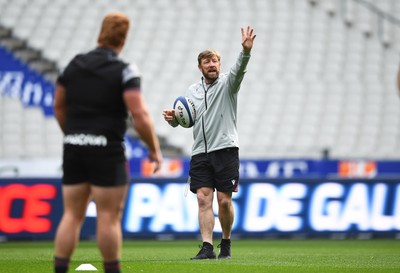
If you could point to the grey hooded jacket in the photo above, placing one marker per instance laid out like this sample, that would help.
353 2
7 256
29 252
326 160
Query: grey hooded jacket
216 109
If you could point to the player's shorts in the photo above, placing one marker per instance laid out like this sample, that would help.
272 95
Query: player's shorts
218 170
101 166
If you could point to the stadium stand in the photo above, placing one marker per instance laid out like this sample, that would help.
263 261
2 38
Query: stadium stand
322 71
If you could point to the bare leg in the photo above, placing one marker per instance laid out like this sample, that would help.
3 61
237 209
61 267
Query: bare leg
76 199
205 198
110 202
225 213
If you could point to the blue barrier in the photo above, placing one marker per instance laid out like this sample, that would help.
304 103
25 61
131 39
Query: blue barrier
280 168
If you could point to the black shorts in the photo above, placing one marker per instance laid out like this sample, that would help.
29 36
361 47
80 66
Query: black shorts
218 170
101 166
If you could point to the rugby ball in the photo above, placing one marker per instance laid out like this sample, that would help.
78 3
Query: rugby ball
185 113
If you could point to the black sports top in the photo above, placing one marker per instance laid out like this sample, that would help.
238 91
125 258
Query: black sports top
94 84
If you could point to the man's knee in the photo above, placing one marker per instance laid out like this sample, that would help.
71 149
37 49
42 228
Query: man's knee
204 198
225 204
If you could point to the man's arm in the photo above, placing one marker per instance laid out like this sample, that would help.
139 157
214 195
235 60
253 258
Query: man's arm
239 69
60 105
144 125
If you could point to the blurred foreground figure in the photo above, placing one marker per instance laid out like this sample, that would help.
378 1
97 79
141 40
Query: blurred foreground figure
93 96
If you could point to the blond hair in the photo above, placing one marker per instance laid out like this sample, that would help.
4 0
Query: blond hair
114 30
209 53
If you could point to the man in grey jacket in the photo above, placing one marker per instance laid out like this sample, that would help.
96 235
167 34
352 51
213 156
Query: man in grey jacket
215 153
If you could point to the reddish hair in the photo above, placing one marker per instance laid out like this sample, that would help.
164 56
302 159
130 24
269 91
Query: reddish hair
114 30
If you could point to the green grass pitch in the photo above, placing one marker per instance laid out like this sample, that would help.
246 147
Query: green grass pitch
312 255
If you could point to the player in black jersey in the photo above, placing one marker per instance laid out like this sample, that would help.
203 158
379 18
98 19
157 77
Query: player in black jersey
93 96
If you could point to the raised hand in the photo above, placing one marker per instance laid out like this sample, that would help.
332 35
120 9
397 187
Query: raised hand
247 39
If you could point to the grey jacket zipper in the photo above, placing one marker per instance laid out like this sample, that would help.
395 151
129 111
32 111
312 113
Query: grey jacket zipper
202 118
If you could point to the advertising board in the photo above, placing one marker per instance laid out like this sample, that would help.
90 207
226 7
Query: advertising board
159 208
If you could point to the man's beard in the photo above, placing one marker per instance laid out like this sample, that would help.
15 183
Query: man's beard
211 79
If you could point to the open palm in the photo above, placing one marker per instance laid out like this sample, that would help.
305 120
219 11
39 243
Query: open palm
247 39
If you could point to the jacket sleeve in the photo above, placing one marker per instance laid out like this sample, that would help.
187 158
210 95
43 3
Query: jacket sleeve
237 71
